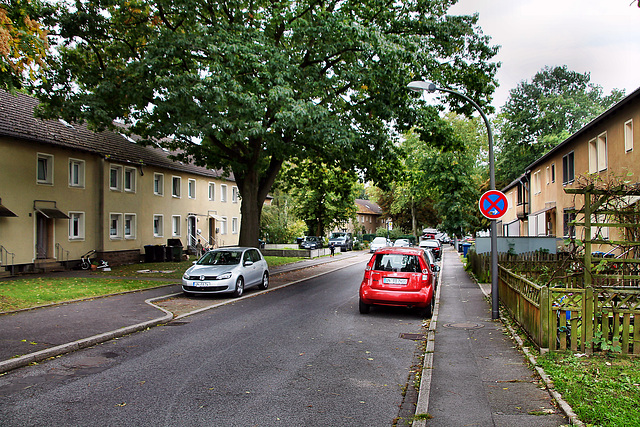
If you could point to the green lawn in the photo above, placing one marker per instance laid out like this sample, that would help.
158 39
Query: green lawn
34 291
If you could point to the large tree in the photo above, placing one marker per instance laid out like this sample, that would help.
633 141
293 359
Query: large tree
244 86
542 113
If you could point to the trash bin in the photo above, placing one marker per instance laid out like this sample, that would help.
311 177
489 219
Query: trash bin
158 251
176 250
465 249
149 254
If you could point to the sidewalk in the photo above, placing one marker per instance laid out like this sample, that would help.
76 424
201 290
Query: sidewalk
476 376
38 334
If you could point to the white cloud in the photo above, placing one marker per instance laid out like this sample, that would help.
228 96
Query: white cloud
597 36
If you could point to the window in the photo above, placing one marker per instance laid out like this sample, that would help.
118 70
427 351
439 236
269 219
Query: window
212 191
548 175
115 226
598 153
569 229
175 186
223 225
115 178
234 194
175 225
76 225
129 226
628 135
553 172
223 193
157 226
130 179
76 173
158 184
568 173
191 188
234 225
45 169
537 186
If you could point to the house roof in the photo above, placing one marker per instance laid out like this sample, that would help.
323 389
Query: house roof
368 207
633 96
17 121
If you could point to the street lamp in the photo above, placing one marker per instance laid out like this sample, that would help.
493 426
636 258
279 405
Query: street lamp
420 86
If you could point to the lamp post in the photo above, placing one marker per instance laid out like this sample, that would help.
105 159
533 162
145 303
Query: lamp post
420 86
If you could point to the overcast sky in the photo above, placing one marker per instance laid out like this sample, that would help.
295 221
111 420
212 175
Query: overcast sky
597 36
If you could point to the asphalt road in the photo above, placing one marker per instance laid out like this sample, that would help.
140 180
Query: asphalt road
297 356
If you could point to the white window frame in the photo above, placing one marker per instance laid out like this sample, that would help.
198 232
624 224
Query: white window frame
212 191
553 173
223 193
131 188
131 234
78 218
118 175
176 222
159 230
628 135
117 217
234 194
48 172
175 189
568 169
234 225
223 225
191 188
537 185
548 174
76 177
159 179
603 162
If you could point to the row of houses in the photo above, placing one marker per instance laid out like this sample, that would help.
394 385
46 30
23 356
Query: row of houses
65 191
538 203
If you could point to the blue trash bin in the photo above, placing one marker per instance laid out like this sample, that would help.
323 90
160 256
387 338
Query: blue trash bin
465 249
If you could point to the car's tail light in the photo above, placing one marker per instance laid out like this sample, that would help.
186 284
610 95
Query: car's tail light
367 268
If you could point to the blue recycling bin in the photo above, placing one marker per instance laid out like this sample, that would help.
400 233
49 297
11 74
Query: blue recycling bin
465 249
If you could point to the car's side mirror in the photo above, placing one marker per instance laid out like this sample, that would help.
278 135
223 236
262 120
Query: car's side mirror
435 268
248 263
194 262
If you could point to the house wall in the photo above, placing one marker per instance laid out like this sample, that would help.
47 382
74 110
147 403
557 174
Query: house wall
95 202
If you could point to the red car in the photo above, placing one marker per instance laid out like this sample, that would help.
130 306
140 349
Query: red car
398 277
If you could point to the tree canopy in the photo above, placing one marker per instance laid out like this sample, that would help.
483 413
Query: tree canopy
542 113
244 86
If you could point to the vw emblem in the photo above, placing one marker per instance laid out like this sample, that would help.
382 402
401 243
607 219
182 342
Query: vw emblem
201 277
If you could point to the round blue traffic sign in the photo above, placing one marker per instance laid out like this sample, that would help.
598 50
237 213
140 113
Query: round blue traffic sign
493 204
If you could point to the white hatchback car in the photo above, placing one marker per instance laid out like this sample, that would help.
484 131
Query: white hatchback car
227 270
379 243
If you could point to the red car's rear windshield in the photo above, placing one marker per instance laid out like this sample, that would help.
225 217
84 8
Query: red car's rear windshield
397 262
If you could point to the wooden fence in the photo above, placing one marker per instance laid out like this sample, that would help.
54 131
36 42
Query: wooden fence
587 320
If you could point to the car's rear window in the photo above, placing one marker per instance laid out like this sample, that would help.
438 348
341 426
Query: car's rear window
397 262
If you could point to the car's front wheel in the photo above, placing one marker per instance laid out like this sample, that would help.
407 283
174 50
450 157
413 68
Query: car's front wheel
364 308
239 287
265 281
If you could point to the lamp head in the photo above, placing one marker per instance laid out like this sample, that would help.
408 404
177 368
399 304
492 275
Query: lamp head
419 86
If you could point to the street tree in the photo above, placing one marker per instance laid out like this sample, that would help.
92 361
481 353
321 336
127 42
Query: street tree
23 42
245 86
542 113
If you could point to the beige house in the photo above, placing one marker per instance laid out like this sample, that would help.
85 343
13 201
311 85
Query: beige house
65 191
538 204
369 217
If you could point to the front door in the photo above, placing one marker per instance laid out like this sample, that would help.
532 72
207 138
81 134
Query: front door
191 229
43 236
212 231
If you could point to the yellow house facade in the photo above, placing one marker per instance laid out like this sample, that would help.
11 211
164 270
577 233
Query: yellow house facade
65 191
608 147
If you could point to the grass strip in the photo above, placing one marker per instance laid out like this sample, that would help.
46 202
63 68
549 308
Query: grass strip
603 390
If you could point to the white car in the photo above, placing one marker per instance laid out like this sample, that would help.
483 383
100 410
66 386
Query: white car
379 243
227 270
402 243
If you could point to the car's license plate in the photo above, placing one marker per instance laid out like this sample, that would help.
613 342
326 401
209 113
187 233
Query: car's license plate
201 284
394 281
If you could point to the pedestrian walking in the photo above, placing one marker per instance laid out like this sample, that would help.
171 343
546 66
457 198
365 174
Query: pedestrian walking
199 249
332 248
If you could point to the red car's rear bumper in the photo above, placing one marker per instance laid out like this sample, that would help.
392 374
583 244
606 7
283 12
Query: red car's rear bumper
421 298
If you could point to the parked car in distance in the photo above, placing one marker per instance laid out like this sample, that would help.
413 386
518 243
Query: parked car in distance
402 243
226 270
342 240
311 242
434 245
398 277
379 243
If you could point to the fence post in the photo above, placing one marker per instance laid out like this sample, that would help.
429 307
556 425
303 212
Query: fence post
588 320
545 318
